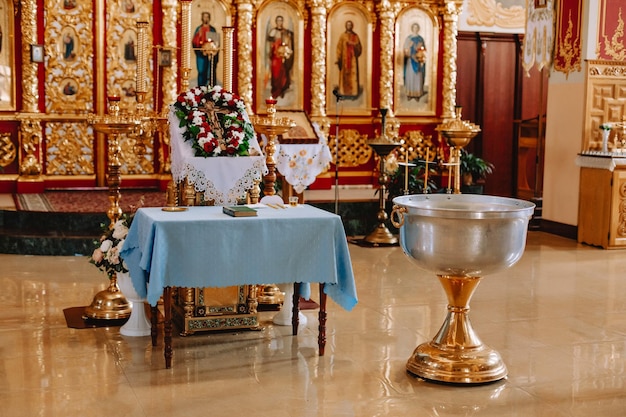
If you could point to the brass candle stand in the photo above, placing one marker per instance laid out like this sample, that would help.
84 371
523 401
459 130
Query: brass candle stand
458 134
111 304
383 147
271 126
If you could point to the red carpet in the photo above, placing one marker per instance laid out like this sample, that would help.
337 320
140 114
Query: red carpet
96 201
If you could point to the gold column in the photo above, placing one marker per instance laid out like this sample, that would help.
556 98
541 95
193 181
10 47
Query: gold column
451 13
186 41
30 82
387 16
170 73
319 14
245 10
228 57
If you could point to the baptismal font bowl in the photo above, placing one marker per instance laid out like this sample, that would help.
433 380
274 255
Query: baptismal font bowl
460 238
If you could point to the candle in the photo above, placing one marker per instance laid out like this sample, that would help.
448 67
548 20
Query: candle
426 173
406 171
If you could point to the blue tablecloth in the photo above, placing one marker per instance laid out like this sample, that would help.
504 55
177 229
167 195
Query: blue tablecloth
202 247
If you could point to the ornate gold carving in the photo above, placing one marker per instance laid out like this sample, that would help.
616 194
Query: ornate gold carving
621 226
122 52
418 143
8 153
318 55
244 51
615 47
30 144
388 13
493 13
168 32
606 99
30 82
69 149
568 50
451 13
353 149
69 57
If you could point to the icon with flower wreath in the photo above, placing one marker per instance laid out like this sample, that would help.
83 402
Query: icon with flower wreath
214 121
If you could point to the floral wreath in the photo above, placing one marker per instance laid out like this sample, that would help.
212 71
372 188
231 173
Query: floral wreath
212 135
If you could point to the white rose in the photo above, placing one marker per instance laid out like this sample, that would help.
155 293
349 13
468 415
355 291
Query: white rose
120 230
106 245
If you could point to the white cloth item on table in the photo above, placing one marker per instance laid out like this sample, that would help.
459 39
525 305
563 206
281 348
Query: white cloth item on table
300 164
222 179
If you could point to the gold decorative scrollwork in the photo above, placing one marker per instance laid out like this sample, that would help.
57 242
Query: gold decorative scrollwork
170 73
244 51
122 52
30 142
418 143
69 52
615 46
451 12
30 83
353 149
8 153
319 14
568 51
493 13
69 149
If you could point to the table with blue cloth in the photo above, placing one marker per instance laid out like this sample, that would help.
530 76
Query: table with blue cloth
203 247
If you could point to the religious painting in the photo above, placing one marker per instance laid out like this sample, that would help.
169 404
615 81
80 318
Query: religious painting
302 132
7 56
69 87
165 58
208 17
279 46
68 44
415 66
128 47
349 61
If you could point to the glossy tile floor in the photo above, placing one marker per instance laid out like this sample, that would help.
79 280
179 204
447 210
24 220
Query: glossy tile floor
558 318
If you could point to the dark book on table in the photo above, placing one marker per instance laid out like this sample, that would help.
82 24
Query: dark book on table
239 211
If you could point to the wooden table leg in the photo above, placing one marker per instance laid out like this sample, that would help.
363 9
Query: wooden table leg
154 322
295 311
167 326
321 337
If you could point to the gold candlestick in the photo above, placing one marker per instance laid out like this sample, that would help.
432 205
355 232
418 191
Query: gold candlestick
271 126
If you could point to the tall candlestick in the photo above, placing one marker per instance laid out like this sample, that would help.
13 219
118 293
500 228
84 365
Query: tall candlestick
186 43
406 171
228 32
140 83
425 187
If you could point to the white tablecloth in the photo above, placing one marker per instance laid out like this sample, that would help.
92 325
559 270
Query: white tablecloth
222 179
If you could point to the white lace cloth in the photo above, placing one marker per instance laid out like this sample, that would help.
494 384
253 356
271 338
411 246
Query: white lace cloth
222 179
600 162
301 164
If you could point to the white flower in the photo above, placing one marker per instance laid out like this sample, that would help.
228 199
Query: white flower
120 230
606 126
106 245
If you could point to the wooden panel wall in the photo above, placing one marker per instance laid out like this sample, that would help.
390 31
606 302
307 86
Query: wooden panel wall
493 95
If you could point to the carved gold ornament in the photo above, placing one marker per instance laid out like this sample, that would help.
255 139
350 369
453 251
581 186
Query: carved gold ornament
353 149
8 152
494 13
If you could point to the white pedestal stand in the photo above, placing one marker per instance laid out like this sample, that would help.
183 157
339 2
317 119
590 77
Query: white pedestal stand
283 317
137 324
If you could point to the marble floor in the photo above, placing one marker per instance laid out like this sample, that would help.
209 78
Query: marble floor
558 318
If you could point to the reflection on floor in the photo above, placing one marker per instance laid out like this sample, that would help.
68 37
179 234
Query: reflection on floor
558 318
